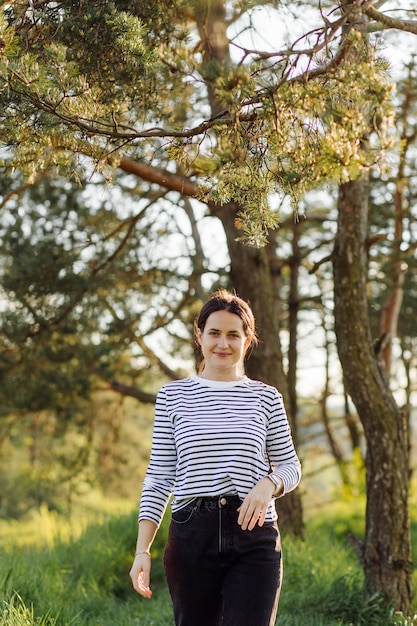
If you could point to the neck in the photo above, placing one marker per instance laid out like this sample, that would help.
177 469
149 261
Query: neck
221 376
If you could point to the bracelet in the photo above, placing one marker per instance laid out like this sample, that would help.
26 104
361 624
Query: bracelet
143 552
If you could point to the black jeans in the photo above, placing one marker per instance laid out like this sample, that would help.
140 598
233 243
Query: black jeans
219 574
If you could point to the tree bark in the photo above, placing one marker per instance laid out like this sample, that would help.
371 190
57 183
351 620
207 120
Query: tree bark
386 549
251 277
293 312
392 306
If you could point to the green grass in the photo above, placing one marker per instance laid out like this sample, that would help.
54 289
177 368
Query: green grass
54 572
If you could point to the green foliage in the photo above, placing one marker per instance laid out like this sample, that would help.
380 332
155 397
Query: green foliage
80 90
75 284
64 93
16 613
83 580
83 278
43 291
80 576
354 487
308 127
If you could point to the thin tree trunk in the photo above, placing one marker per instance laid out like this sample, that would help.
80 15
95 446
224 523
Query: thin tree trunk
293 310
251 277
351 423
392 306
325 418
198 258
386 549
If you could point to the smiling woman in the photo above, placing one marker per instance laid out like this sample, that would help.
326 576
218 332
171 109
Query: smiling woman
225 330
223 345
222 446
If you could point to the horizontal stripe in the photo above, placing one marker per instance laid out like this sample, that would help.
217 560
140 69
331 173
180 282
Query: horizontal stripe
211 440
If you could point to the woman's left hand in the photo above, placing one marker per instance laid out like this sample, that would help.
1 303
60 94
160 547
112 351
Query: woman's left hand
253 509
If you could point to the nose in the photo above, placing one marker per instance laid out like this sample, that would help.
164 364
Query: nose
223 343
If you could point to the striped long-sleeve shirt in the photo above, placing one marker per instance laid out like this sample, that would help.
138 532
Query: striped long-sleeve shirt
212 438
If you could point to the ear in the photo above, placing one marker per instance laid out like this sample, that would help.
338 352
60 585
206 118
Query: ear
247 344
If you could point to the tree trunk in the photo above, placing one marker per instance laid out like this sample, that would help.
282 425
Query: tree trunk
250 272
386 549
251 277
392 306
293 312
351 423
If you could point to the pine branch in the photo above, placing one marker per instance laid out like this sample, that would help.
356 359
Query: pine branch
409 26
159 176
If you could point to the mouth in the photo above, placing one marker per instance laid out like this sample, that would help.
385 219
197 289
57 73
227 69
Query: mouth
222 354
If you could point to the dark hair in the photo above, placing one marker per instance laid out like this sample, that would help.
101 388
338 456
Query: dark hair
223 300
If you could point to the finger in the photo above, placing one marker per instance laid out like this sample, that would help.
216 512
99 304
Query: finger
242 513
262 517
140 581
244 517
143 586
253 521
258 517
250 519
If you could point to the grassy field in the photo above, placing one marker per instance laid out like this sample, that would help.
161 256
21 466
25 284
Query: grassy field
56 571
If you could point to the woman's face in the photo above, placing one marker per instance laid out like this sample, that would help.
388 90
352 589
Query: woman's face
223 345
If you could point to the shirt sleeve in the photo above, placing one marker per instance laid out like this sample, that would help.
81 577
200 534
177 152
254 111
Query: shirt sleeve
160 475
282 456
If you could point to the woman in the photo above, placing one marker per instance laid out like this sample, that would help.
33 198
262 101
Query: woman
222 446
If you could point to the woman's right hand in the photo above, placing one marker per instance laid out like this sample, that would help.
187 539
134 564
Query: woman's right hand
140 574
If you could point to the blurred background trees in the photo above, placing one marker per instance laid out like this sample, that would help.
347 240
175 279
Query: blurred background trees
151 154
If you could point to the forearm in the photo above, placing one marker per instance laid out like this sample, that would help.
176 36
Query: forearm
146 535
